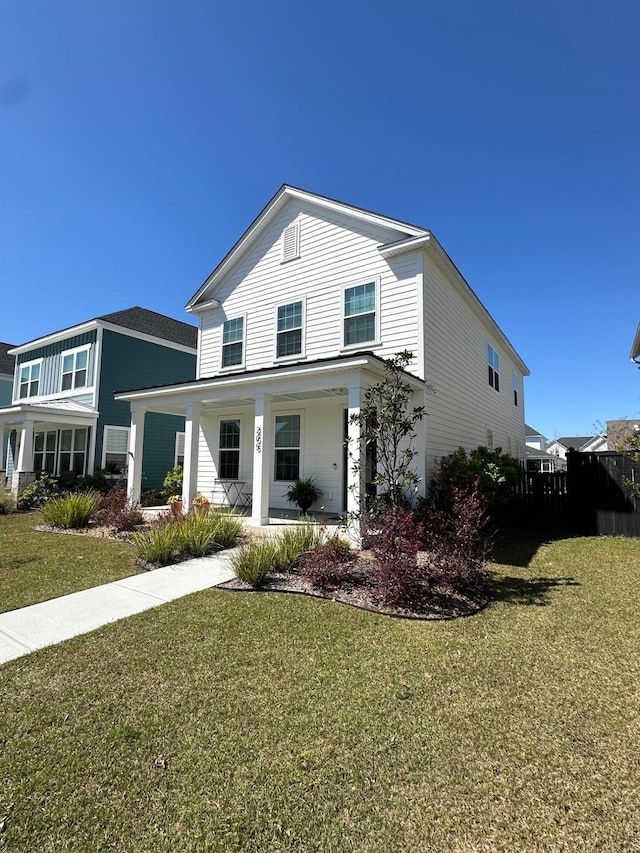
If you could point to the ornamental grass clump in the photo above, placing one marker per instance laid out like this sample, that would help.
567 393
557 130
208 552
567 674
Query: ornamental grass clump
158 546
254 562
172 539
72 511
297 539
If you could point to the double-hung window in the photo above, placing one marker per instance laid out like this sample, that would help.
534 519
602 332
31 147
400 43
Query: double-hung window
75 369
73 447
287 463
29 380
360 314
516 387
233 342
44 451
115 448
289 330
493 360
229 459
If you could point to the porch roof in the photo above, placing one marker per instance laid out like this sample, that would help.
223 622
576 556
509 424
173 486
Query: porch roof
328 377
54 411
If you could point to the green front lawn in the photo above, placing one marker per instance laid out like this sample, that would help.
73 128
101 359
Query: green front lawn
36 566
283 723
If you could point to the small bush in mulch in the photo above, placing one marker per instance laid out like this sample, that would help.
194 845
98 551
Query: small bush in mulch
115 510
327 566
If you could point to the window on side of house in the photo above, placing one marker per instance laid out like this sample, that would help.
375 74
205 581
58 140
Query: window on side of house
115 449
289 330
287 457
29 379
75 369
516 388
493 360
490 439
73 449
360 314
44 451
179 454
290 246
229 450
233 342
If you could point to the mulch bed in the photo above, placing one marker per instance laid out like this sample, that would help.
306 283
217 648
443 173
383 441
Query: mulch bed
436 602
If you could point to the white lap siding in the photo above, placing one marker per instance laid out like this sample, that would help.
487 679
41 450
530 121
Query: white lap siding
335 252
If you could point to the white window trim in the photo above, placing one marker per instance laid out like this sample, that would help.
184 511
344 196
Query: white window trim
516 389
287 413
366 344
104 441
296 228
89 383
303 343
231 417
241 365
19 369
498 371
177 448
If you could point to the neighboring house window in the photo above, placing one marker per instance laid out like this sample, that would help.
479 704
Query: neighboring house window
74 369
289 330
73 447
232 342
179 455
291 242
287 463
29 379
115 449
490 439
516 387
360 314
44 451
494 367
229 459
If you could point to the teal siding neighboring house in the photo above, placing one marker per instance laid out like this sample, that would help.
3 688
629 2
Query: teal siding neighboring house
59 414
7 366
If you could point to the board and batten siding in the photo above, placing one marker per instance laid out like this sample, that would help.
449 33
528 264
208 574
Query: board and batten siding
335 252
463 406
51 370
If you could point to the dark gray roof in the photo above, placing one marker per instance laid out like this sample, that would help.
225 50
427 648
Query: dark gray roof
532 453
7 362
575 441
151 323
531 431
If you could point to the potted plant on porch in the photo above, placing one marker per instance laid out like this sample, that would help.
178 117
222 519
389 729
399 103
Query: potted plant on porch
201 505
175 504
303 493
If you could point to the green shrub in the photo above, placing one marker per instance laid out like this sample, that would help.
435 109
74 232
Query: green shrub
172 484
493 471
172 539
227 527
7 503
38 493
71 511
253 562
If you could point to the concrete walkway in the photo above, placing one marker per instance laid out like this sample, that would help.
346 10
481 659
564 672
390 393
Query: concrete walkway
39 625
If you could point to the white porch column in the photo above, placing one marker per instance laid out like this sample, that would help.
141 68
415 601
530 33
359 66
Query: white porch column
25 452
356 455
191 441
136 448
262 460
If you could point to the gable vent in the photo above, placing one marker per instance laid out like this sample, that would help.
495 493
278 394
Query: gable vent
291 242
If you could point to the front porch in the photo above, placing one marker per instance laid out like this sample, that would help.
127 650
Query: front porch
266 428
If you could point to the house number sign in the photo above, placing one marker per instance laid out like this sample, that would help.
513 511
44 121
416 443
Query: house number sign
259 440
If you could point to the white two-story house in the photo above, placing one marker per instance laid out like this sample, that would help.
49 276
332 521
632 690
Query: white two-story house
294 325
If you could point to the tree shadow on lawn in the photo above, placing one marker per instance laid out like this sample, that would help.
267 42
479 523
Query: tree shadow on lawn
536 591
520 538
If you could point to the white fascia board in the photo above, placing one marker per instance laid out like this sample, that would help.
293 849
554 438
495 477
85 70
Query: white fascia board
54 337
388 250
141 336
635 349
435 248
281 197
11 414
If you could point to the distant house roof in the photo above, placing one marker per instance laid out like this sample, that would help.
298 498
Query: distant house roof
7 362
531 431
575 441
152 323
136 319
533 453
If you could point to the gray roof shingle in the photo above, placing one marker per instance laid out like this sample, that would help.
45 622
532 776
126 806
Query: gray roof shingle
7 362
151 323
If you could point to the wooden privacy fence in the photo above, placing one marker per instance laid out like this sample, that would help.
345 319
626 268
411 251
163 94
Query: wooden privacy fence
593 496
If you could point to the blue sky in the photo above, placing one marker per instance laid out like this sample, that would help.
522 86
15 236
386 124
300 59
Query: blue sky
139 138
